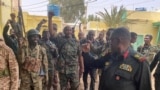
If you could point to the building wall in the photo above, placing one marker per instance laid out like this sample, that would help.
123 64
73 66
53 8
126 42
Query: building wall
139 21
31 22
15 5
142 23
142 15
5 10
143 28
95 25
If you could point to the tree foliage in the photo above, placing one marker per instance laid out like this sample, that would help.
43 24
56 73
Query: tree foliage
90 18
115 18
93 18
71 9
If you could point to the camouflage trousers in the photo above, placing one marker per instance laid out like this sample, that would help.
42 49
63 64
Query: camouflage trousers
69 81
30 81
53 79
5 83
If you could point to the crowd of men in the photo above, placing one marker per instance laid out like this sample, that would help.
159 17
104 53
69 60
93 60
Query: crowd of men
41 62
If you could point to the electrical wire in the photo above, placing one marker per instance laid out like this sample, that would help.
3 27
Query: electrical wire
146 1
105 3
72 5
36 7
37 11
34 4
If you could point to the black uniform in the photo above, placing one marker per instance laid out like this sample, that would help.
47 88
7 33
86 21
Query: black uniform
11 42
122 72
157 72
87 69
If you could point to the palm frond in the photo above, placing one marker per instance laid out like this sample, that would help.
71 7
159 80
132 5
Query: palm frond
115 18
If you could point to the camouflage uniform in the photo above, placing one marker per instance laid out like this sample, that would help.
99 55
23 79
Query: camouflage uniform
67 62
148 51
52 54
32 80
9 74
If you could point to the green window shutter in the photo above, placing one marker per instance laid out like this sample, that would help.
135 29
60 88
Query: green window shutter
139 42
158 36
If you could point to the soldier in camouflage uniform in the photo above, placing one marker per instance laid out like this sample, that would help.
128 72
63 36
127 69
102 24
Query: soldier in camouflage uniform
34 63
9 72
107 46
133 38
70 62
100 40
52 54
15 25
147 49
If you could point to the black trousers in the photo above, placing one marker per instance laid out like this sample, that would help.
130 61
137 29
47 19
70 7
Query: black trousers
157 84
92 73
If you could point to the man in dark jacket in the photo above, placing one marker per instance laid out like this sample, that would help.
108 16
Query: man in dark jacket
157 72
121 69
10 40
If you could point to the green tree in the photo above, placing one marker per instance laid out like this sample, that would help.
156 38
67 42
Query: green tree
71 9
90 18
115 18
93 18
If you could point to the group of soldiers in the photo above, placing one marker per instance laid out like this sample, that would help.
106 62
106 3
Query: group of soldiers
38 62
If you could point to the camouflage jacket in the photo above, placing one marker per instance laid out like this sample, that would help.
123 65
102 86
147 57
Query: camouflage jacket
27 52
148 51
9 71
52 53
69 50
106 48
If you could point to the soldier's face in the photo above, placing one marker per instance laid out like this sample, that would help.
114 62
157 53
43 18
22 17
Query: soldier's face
147 40
91 36
68 32
80 36
54 30
13 16
101 36
46 35
34 39
133 39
